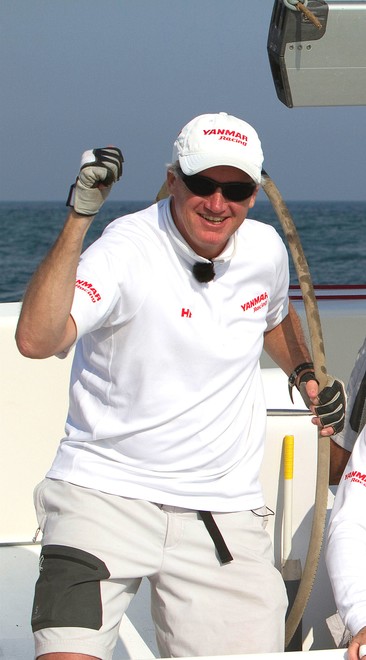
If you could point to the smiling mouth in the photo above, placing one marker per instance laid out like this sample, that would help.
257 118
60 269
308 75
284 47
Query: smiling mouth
213 219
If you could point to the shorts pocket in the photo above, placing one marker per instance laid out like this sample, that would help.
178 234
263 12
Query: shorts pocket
67 592
263 514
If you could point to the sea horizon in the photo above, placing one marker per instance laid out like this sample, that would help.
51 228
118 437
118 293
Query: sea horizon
331 234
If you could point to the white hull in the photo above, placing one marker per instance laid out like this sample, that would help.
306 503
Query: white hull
34 403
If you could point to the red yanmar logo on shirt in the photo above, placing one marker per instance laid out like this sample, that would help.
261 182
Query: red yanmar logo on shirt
356 477
256 303
225 134
89 289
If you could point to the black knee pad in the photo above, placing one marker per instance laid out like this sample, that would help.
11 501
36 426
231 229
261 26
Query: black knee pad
67 592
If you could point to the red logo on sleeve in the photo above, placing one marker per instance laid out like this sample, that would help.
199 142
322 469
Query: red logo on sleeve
256 303
89 289
356 477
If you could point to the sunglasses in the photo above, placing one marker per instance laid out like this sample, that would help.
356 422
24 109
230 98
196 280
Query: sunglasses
234 191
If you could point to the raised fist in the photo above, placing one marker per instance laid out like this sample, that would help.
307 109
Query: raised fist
99 170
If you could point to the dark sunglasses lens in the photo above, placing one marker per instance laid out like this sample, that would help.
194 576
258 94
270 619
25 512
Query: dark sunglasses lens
203 186
237 192
199 185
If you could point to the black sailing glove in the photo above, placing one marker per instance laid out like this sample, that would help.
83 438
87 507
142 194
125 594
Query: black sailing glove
331 409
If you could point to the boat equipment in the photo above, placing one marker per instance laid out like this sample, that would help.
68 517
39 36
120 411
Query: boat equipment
317 52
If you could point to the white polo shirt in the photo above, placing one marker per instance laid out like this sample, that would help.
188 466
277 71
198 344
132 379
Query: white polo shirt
166 399
346 542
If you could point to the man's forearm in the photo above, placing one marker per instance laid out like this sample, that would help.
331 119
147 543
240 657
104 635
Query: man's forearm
44 326
286 344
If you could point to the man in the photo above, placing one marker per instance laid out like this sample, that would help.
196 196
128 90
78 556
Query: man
157 475
345 550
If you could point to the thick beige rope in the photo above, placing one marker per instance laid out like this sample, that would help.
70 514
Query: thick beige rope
316 339
309 14
303 274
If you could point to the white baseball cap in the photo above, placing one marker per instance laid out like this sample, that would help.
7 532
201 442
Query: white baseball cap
218 139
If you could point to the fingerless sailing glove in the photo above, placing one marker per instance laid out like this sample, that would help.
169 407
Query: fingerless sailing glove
99 170
332 404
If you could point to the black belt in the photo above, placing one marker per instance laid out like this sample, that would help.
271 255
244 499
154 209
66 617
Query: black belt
214 532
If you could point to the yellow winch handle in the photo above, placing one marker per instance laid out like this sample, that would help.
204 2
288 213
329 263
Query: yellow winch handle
288 457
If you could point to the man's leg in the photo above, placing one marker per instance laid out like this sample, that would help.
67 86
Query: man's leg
202 607
97 547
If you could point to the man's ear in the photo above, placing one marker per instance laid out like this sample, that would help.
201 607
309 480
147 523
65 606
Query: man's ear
253 197
170 180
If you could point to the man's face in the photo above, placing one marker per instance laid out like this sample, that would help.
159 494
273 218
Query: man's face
207 223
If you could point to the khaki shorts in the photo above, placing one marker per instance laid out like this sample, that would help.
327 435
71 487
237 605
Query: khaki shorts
96 549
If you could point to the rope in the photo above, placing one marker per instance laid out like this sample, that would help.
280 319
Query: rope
316 339
309 14
302 6
303 274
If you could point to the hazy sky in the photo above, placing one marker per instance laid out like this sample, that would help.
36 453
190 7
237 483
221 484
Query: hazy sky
81 73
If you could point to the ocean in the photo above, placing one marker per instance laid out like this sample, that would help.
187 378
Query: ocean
332 234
